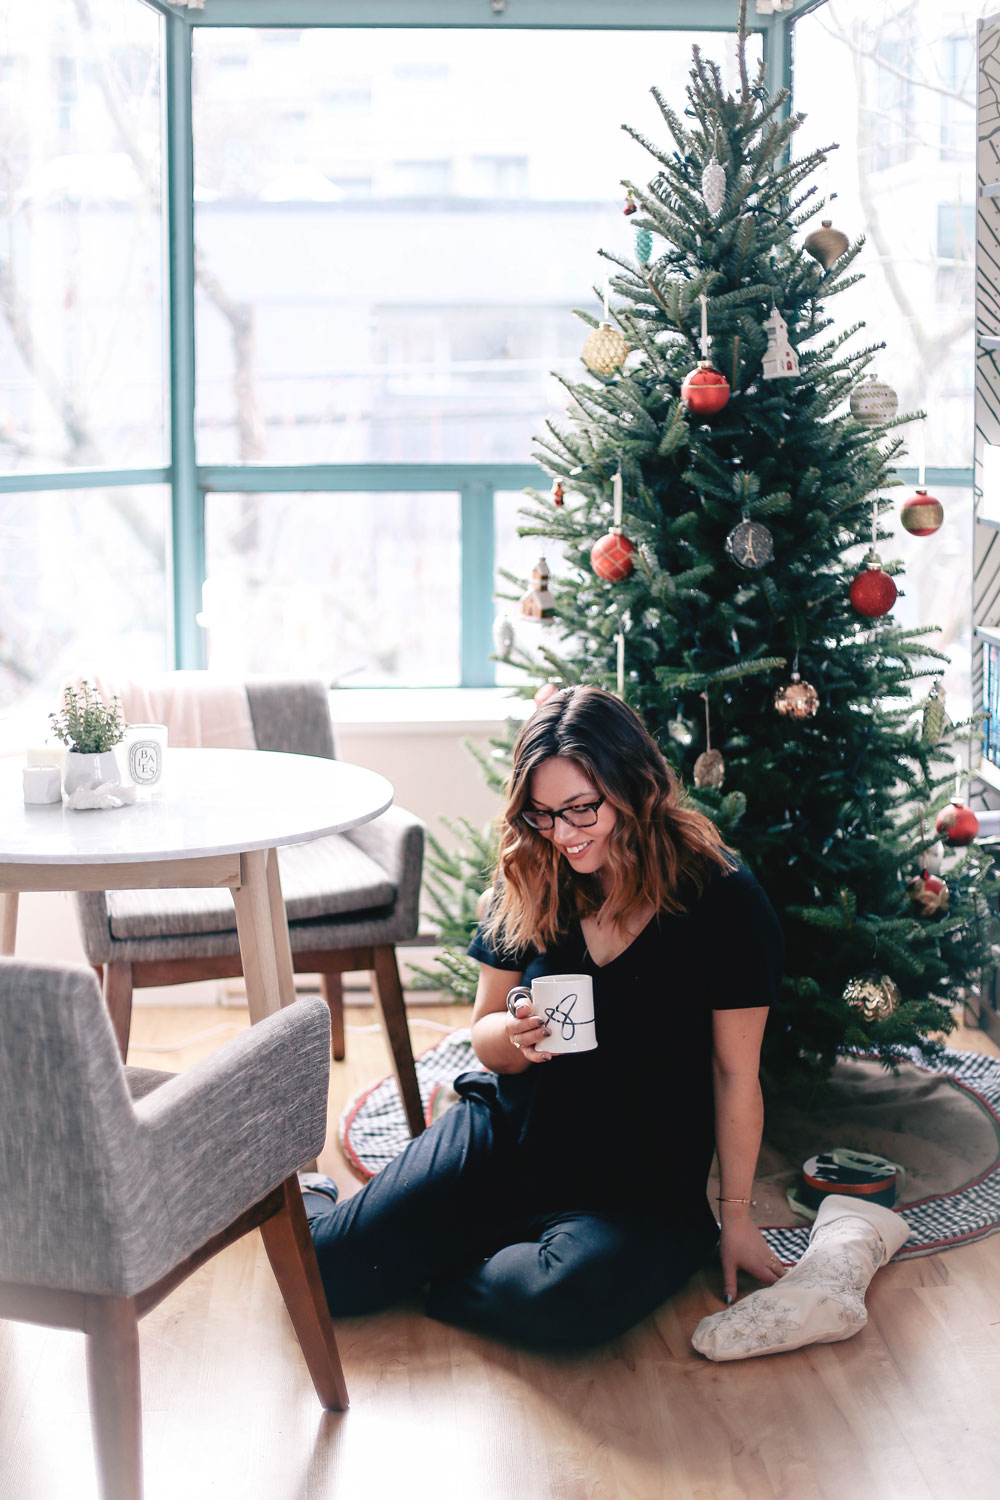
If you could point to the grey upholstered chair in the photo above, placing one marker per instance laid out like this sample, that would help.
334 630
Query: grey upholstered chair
350 899
116 1183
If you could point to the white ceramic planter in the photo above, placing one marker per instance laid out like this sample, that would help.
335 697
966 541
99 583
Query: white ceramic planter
89 770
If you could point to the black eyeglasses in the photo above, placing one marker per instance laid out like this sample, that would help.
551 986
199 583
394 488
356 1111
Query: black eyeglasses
584 815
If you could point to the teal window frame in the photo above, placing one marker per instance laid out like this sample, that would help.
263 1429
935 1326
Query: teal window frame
476 484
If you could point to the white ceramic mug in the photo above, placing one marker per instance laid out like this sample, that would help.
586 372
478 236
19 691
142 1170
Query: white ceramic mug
144 748
565 1004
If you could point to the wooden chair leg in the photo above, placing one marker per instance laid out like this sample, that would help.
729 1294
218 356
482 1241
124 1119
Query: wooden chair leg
112 1329
332 988
393 1007
118 998
290 1250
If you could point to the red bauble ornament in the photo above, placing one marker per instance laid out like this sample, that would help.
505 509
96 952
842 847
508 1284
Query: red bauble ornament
873 592
921 515
544 693
705 390
613 556
956 823
558 493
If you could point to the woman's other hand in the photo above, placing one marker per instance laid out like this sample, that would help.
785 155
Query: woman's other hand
744 1248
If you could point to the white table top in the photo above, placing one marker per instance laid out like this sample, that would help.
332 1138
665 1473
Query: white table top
209 802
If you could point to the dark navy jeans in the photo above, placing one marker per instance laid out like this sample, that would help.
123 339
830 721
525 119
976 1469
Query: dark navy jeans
461 1213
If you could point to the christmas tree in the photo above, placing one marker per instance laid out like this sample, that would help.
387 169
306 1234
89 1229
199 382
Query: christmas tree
717 481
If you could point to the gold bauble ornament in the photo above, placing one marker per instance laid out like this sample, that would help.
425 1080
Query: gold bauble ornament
709 769
827 244
875 995
797 699
605 350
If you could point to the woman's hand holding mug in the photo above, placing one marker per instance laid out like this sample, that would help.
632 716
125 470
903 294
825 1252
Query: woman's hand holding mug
525 1030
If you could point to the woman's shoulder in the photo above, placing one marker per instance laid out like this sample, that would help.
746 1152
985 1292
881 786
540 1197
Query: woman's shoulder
730 890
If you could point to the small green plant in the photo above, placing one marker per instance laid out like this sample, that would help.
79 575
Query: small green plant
86 723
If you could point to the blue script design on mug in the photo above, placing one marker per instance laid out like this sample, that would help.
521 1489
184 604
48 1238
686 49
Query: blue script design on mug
565 1002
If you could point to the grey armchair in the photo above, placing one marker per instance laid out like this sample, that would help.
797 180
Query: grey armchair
350 898
116 1183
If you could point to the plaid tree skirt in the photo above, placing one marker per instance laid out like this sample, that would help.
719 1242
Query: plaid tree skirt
373 1130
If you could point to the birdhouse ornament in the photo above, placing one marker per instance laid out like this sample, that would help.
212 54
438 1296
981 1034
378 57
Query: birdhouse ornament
780 360
538 603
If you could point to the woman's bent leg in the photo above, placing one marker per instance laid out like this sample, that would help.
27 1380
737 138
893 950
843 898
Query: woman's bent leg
425 1213
579 1280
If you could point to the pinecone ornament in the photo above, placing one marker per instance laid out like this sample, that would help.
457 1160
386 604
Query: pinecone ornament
713 186
935 718
709 769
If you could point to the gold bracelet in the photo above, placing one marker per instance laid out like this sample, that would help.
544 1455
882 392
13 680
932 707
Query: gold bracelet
750 1202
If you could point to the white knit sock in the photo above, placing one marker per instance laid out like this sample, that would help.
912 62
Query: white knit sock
822 1298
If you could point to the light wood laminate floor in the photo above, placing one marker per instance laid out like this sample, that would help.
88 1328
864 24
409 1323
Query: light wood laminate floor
909 1409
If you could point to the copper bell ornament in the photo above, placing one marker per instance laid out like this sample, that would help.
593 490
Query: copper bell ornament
826 244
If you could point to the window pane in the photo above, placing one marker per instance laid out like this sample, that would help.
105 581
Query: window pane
81 279
393 227
893 81
84 588
360 589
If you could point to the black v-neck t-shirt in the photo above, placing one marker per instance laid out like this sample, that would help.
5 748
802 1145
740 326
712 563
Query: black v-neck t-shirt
631 1123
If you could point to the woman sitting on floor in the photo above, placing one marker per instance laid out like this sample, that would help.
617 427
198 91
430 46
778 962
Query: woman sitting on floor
563 1197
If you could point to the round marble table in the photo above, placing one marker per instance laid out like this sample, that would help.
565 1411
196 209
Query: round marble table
216 819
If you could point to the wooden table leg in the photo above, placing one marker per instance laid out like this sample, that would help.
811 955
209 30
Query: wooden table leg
256 934
279 929
8 923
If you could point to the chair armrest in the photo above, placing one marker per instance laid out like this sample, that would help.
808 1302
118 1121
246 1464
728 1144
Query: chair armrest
229 1129
395 840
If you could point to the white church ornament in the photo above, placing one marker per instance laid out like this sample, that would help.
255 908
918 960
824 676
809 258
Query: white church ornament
780 360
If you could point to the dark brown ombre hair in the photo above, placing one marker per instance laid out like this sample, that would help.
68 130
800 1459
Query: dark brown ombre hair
660 853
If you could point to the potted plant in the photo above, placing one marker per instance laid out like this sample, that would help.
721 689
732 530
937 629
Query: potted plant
91 728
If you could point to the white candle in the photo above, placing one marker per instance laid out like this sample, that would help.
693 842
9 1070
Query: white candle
42 783
45 755
621 663
616 497
606 293
704 325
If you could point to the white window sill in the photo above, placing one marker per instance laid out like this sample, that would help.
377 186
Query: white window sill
368 710
426 710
